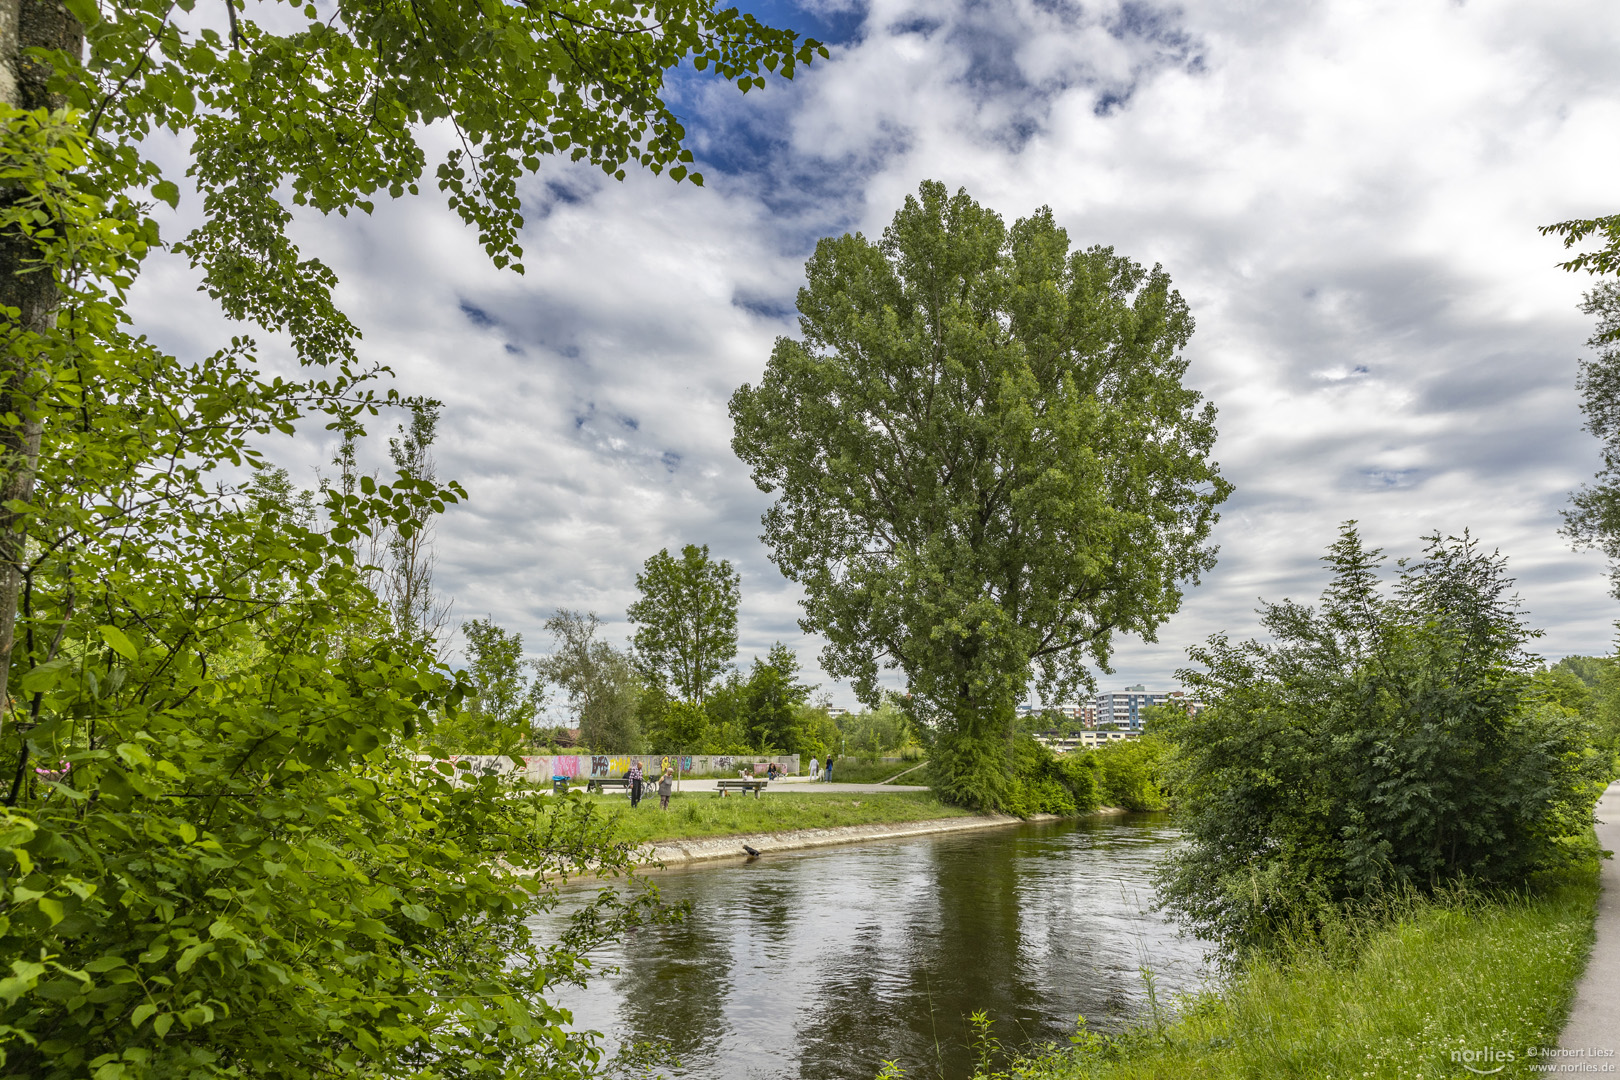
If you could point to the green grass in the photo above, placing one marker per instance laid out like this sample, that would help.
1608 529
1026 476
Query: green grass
851 771
1470 976
699 814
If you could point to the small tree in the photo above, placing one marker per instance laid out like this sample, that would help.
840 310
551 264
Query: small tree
771 696
985 460
601 684
686 620
409 556
1381 740
505 706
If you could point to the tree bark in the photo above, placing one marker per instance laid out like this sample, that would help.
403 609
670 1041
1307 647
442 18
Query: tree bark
24 24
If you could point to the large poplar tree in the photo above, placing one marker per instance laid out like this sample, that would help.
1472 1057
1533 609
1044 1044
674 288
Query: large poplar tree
985 463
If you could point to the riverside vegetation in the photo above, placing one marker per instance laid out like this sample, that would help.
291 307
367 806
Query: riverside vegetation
1405 986
1388 841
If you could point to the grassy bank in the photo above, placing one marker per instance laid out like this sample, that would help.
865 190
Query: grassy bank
851 771
693 815
1486 978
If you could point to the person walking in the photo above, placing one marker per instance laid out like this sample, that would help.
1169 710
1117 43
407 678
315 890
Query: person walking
815 768
665 784
634 776
829 768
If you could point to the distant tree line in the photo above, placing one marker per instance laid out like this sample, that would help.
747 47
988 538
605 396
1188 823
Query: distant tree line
676 690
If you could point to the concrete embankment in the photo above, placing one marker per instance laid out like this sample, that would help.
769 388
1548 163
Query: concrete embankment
673 853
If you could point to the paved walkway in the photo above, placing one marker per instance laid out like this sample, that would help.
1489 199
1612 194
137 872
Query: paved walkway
1592 1036
804 785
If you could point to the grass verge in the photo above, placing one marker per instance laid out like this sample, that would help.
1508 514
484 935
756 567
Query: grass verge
693 815
1480 983
851 771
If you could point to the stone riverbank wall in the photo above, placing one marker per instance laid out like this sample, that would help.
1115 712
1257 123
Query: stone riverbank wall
540 768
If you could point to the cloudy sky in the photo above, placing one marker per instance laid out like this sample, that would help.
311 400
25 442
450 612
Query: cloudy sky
1346 193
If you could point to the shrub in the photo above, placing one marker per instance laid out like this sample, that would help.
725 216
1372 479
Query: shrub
1043 783
1383 742
1129 773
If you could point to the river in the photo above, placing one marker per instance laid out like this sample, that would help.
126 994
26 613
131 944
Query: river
822 964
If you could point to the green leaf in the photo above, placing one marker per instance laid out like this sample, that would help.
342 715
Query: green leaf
142 1011
119 642
166 191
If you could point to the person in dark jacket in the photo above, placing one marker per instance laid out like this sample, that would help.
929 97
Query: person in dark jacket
634 776
829 768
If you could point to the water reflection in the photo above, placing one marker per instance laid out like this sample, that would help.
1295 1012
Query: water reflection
825 963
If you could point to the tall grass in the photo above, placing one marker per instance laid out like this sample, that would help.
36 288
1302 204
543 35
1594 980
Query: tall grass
1414 988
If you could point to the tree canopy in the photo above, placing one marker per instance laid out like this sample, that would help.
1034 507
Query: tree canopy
686 620
329 104
1593 518
225 847
984 459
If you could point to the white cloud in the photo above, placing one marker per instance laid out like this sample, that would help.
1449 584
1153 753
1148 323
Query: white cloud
1347 193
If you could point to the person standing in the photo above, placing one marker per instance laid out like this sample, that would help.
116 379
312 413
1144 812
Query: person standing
665 783
829 768
815 768
634 776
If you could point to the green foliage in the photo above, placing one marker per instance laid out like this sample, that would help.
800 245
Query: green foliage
686 620
1411 988
327 109
1588 669
601 684
1596 697
1130 772
819 733
686 725
771 698
1561 688
985 461
1381 742
504 705
1593 519
1044 783
873 732
220 854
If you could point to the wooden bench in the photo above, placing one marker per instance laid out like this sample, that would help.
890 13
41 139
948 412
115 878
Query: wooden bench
756 786
600 784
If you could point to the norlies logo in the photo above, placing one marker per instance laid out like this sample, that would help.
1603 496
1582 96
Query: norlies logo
1484 1062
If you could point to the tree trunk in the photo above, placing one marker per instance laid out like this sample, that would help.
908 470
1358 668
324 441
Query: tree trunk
23 24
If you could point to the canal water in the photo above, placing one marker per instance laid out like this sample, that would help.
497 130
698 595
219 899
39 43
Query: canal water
822 964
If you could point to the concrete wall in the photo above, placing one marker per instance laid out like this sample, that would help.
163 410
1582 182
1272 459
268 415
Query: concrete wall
540 768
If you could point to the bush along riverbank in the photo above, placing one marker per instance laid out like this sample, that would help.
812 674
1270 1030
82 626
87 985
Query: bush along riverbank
1128 775
1448 986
